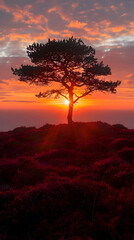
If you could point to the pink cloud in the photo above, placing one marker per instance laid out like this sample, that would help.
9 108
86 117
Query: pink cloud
3 6
58 10
130 75
76 24
18 36
113 7
26 16
67 33
52 10
75 5
117 29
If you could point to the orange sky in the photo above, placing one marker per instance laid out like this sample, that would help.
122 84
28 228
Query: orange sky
106 26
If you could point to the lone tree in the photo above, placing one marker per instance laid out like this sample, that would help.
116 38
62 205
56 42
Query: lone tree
71 64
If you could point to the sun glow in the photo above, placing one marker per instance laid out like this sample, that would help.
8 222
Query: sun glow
66 102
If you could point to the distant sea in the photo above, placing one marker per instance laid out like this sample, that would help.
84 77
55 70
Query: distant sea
10 119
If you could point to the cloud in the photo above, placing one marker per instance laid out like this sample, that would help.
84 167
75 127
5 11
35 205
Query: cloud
130 75
3 6
130 79
67 33
114 8
58 10
91 39
92 31
18 92
76 24
23 37
117 29
25 15
52 10
120 60
12 49
23 21
5 66
75 5
17 101
5 94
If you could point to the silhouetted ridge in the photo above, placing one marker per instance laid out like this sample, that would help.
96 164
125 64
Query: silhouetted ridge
121 126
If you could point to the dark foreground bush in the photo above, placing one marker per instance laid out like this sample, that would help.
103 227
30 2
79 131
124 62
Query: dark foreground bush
62 191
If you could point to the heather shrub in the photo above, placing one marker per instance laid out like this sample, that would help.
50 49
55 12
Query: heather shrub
8 169
61 182
120 143
29 173
127 154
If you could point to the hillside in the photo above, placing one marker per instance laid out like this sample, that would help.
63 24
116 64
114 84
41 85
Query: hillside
62 182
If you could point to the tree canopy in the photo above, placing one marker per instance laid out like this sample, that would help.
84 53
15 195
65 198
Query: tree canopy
70 63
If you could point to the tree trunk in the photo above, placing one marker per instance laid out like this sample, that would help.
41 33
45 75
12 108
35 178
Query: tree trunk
70 110
70 114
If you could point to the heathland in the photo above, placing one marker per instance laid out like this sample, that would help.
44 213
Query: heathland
67 182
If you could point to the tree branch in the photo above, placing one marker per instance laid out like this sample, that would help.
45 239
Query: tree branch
83 95
64 96
63 82
51 92
79 85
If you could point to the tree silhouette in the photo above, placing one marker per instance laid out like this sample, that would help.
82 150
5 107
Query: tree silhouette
71 64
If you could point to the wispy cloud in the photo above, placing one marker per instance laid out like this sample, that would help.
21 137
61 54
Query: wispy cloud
19 101
3 6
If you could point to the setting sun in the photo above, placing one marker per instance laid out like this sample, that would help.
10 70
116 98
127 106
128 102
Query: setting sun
66 102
